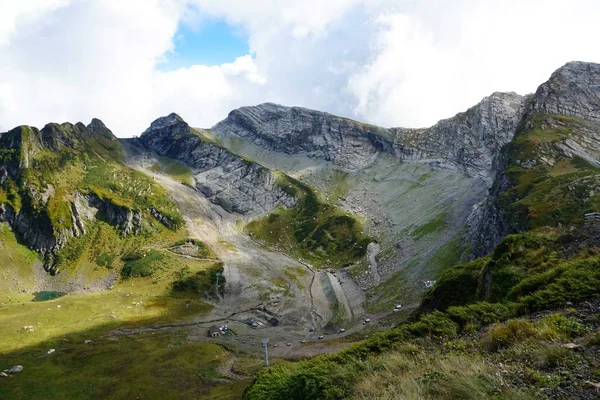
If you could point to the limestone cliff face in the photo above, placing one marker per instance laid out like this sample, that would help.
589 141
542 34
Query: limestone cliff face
572 90
238 185
297 130
38 233
480 142
467 142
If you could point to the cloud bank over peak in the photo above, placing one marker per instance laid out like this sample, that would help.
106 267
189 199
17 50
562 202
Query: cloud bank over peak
391 63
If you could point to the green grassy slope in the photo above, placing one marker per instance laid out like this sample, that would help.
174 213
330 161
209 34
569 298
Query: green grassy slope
547 187
48 169
319 233
16 264
88 362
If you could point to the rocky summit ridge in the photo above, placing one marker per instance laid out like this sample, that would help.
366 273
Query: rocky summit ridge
226 179
466 142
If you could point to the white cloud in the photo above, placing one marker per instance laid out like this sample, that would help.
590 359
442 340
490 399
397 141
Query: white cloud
17 14
387 62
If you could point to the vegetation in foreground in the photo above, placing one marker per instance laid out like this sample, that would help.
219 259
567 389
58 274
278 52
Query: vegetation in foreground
479 333
454 355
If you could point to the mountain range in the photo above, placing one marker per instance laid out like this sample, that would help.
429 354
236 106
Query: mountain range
313 220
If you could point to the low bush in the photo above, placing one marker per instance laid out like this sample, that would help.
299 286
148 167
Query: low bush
502 335
435 324
568 326
481 314
549 357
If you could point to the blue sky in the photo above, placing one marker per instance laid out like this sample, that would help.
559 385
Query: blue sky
214 42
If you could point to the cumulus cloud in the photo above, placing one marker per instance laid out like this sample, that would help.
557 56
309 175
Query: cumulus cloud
386 62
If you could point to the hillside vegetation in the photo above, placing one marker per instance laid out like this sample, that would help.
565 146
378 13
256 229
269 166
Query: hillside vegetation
50 175
520 322
547 185
482 343
313 230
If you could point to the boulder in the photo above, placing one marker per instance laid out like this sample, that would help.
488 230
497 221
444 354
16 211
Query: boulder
15 369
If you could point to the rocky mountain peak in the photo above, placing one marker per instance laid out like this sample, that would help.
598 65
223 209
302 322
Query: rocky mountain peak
573 90
226 179
298 130
170 120
470 140
466 142
97 127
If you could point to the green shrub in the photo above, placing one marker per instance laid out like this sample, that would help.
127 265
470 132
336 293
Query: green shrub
570 327
500 336
551 357
435 324
105 260
572 281
482 314
457 286
304 380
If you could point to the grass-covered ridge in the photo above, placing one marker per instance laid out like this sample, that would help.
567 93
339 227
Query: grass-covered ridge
50 170
545 186
478 315
312 230
90 163
540 269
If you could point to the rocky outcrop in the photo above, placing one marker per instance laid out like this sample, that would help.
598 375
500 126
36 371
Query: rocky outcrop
29 215
163 219
37 231
467 142
297 130
572 90
126 220
230 181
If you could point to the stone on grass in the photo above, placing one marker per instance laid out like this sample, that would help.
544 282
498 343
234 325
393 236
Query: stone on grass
16 369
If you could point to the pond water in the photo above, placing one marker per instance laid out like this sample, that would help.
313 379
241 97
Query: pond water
47 295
